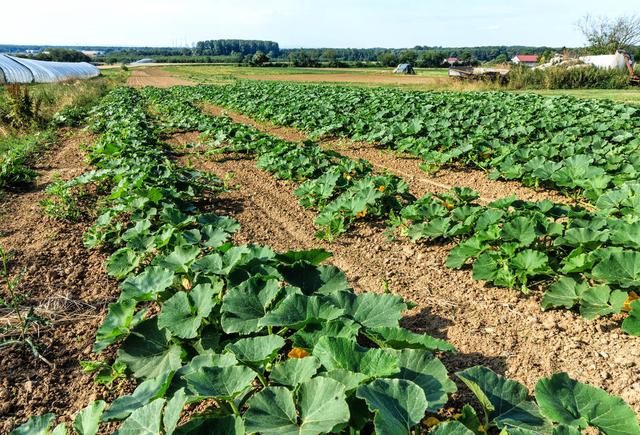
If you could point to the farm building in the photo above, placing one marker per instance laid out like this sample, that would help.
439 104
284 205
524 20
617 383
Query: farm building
451 60
18 70
404 68
525 59
607 61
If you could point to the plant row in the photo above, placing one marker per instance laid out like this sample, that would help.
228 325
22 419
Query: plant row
340 189
262 342
584 260
580 147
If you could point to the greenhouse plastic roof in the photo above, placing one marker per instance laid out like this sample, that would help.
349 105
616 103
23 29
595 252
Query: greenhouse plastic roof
18 70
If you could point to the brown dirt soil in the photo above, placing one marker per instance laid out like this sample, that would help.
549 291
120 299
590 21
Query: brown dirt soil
141 77
497 327
404 165
66 284
391 79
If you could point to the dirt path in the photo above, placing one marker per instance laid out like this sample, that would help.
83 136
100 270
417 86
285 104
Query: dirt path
405 166
141 77
67 286
492 326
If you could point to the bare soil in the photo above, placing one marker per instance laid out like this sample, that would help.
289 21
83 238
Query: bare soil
500 328
65 284
141 77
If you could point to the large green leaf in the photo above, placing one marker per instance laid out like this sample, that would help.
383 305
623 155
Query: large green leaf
398 404
272 411
451 428
120 319
315 280
227 425
297 310
505 401
631 325
173 411
572 403
601 301
122 262
220 382
343 353
144 393
621 268
318 406
428 372
256 350
370 309
521 229
183 313
350 380
308 337
243 306
293 372
400 338
143 421
87 421
566 292
180 259
145 286
37 425
149 351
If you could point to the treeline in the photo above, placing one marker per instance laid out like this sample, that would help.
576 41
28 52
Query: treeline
59 55
225 47
422 56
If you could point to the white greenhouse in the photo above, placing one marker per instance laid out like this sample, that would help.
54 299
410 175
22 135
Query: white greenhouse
18 70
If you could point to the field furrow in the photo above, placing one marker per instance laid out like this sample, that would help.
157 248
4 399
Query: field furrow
489 325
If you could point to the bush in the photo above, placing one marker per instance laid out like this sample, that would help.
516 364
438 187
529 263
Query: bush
522 77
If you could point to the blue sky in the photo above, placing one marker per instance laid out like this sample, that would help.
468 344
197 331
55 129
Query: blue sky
307 23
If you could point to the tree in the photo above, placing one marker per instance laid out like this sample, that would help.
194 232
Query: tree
388 59
259 59
63 55
501 58
606 35
409 56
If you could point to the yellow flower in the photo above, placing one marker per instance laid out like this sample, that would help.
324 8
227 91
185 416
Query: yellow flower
381 188
361 214
482 429
627 304
431 421
448 205
297 352
186 283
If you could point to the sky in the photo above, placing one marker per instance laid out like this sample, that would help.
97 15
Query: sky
303 23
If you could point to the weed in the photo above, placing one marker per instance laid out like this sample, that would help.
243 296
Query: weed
20 333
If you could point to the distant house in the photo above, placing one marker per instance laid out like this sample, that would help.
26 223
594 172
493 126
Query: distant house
525 59
451 60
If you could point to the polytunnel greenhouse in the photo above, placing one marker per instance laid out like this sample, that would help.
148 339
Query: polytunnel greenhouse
18 70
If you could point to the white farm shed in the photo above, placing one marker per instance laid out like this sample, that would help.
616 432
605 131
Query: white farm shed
606 61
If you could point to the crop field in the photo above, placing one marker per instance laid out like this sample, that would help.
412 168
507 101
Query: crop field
276 257
427 79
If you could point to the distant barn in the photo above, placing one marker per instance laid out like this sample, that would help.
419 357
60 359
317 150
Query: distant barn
18 70
525 59
404 68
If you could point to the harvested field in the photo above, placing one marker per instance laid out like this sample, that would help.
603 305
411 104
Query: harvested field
141 77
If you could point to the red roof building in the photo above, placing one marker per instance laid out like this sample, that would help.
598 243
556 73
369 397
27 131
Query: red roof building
526 59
